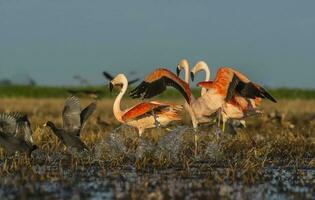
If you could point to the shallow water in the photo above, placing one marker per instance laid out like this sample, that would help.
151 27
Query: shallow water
96 183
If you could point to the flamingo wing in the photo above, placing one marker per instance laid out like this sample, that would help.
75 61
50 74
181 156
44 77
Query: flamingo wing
142 110
247 89
156 83
108 76
230 82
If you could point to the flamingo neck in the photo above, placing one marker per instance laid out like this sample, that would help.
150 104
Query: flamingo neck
207 71
207 77
187 73
116 107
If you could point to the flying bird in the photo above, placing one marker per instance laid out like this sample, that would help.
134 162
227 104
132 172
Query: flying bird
110 77
82 80
16 133
94 94
74 120
143 115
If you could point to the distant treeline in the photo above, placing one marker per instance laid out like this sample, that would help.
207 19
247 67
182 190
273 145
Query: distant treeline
103 92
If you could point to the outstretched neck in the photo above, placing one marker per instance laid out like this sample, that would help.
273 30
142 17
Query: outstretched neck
206 69
187 73
116 108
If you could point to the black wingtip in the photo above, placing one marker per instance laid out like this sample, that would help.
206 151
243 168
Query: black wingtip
107 76
267 95
137 92
272 99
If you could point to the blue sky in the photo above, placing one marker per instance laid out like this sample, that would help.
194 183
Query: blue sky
273 42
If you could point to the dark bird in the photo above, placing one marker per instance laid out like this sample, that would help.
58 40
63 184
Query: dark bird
82 80
16 133
110 78
74 121
94 94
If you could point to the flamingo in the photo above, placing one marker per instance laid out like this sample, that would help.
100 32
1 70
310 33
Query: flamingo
228 83
236 108
237 95
143 115
157 81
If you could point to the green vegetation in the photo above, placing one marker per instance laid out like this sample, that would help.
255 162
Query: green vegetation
48 91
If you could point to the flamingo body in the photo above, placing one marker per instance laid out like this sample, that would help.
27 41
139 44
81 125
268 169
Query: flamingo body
146 114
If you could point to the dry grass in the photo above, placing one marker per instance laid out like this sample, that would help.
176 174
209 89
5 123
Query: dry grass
285 138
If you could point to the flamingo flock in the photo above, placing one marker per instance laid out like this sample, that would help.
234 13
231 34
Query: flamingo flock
230 95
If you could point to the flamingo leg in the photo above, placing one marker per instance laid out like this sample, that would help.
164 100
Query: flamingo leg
140 131
196 141
156 122
224 120
196 144
223 126
219 117
243 122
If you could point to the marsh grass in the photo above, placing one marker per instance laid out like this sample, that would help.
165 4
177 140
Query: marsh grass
266 142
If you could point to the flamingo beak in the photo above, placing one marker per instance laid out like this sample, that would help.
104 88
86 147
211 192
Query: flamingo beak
177 71
111 86
192 76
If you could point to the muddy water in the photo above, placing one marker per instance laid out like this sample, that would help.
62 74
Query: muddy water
96 183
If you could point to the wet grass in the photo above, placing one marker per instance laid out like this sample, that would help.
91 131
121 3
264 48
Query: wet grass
274 157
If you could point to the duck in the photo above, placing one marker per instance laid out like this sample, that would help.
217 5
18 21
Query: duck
74 120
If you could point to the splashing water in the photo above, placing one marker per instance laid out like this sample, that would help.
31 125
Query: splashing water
171 143
144 148
112 145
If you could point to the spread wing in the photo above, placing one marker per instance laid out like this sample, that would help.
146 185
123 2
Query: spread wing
231 82
8 124
71 114
86 113
108 76
242 86
156 83
23 127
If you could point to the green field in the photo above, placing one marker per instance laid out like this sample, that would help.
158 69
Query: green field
46 92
